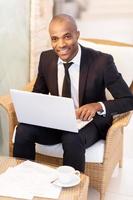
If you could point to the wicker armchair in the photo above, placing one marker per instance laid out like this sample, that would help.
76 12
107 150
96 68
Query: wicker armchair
99 173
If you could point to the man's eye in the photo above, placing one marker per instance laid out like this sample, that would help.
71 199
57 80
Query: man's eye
54 39
68 36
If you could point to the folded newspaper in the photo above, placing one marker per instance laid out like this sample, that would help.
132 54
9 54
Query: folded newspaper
29 179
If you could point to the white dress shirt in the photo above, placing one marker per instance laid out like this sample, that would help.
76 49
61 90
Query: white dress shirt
74 77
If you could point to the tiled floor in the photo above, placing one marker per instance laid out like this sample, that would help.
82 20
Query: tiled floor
121 184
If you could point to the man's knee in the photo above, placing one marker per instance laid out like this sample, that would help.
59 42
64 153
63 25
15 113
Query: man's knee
24 146
72 142
22 133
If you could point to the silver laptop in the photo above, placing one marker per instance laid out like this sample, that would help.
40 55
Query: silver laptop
46 110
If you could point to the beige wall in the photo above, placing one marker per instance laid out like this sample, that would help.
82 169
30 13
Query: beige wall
14 44
108 8
41 14
23 36
20 21
108 19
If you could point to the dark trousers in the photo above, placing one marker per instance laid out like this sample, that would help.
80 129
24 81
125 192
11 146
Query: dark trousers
74 144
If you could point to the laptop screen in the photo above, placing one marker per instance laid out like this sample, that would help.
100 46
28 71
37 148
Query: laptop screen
44 110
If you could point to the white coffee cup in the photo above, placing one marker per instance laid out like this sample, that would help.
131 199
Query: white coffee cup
66 174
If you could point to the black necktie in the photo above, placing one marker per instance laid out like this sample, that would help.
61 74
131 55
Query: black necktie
66 89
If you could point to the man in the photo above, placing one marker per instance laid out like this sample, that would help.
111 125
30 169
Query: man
89 74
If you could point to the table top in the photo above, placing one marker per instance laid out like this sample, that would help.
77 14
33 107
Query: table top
78 192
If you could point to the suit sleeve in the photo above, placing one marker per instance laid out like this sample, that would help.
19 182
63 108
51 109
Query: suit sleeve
40 85
123 98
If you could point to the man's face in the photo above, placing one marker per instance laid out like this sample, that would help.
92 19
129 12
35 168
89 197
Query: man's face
64 39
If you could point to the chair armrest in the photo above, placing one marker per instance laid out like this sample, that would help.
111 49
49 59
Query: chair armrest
122 120
115 133
7 105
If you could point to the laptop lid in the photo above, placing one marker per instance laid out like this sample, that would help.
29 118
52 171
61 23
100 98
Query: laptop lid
44 110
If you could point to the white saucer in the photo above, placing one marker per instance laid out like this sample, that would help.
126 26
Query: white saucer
75 181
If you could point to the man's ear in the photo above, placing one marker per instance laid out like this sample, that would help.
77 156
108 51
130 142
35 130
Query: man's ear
78 34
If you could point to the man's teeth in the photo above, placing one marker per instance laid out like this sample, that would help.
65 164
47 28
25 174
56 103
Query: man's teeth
64 51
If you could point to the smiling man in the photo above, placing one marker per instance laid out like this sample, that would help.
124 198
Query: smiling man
80 73
64 37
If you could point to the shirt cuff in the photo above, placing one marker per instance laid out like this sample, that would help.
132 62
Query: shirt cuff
103 112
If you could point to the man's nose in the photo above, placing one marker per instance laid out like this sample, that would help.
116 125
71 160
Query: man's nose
61 43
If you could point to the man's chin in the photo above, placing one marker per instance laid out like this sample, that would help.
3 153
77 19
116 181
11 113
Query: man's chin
64 57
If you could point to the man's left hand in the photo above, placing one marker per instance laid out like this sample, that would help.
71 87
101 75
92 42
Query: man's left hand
88 111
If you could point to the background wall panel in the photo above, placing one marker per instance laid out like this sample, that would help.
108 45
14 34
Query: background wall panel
14 44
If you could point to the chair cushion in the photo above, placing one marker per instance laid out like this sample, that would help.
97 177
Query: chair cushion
94 153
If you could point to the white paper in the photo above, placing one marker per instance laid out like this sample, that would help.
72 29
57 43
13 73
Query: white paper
29 179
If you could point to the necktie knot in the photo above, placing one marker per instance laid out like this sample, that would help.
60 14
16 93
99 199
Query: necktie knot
67 65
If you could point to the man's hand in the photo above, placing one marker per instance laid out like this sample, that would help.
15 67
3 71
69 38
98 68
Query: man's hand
88 111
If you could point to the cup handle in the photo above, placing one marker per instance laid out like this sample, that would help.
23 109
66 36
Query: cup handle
77 172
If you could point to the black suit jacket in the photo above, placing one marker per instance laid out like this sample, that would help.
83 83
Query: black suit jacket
97 72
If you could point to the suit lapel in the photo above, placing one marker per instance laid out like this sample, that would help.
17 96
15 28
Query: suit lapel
84 66
53 70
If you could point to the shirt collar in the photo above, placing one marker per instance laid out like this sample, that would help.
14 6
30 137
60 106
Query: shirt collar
75 60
